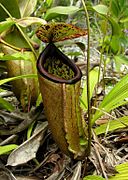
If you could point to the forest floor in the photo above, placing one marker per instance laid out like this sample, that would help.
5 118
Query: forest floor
39 157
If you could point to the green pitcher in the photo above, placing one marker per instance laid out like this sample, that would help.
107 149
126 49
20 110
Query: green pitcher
60 80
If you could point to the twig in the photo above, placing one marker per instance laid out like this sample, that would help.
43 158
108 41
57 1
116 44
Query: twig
32 116
8 140
100 161
88 79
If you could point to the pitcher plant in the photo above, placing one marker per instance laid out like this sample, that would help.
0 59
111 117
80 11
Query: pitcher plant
59 81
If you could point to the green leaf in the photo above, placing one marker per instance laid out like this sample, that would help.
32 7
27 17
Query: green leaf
7 148
112 125
124 19
93 177
119 60
93 82
5 25
39 100
49 2
123 59
101 9
115 8
115 44
5 105
65 10
26 55
116 29
81 46
15 39
11 6
122 174
122 3
115 98
17 77
28 21
27 7
29 131
74 53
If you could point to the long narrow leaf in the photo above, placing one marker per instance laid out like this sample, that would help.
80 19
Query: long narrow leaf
17 77
114 98
122 174
16 56
6 149
93 177
112 125
93 82
5 105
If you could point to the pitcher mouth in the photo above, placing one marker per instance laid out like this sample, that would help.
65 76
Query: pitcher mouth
52 51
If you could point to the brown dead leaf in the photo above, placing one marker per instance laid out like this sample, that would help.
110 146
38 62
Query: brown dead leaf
27 151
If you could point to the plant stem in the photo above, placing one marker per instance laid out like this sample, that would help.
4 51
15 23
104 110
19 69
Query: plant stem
88 78
9 45
12 47
18 27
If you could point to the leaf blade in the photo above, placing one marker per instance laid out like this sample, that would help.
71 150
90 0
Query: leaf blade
60 10
114 98
7 148
27 7
17 77
101 9
113 125
5 105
